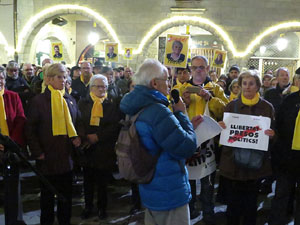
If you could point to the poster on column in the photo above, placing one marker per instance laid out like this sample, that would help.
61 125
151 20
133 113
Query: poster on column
176 53
203 162
245 131
128 54
57 51
111 52
219 59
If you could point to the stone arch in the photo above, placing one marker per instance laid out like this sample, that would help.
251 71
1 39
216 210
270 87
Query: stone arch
185 20
33 26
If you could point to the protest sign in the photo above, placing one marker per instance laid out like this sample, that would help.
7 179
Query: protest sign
111 52
202 163
176 50
245 131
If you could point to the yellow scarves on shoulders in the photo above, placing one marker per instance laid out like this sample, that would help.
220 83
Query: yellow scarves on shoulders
250 102
97 110
3 124
232 96
61 118
296 137
82 80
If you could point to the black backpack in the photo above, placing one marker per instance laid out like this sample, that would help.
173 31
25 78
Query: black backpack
135 163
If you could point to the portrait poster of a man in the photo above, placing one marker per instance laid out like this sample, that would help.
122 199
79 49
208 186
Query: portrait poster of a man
111 52
219 59
176 50
57 51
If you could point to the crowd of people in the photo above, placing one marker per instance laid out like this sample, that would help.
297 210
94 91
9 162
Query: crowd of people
68 118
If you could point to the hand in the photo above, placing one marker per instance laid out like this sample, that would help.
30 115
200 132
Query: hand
93 138
270 133
1 147
179 106
186 96
204 94
196 120
41 157
76 141
222 124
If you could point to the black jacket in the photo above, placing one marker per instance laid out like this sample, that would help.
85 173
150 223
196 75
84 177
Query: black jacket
80 87
274 96
283 158
102 154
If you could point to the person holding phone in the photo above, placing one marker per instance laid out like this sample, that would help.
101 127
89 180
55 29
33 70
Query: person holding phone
196 93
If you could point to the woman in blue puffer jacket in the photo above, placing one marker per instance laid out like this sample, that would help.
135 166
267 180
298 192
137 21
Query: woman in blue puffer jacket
166 197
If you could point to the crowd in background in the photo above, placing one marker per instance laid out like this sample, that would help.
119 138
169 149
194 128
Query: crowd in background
67 119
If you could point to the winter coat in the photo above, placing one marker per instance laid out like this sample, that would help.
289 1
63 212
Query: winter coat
228 168
102 154
173 135
284 159
57 149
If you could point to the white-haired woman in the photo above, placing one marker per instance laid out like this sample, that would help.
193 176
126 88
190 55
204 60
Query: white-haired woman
100 116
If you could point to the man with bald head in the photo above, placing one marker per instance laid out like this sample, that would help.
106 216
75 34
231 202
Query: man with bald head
28 72
81 85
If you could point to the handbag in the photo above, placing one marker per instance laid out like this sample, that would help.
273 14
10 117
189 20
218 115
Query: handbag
247 158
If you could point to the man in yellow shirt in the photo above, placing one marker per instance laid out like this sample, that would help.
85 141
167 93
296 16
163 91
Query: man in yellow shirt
196 93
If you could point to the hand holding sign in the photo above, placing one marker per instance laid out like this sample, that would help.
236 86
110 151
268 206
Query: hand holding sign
246 131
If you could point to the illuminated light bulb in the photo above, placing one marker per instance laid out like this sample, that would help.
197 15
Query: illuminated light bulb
281 43
93 38
262 49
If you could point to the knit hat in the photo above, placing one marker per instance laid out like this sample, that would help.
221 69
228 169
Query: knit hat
234 67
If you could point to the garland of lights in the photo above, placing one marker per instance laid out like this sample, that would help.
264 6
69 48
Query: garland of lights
151 34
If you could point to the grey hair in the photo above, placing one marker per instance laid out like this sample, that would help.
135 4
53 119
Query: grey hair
282 68
26 64
149 70
96 77
200 57
3 71
12 64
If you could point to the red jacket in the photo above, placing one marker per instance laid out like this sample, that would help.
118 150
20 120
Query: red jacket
14 116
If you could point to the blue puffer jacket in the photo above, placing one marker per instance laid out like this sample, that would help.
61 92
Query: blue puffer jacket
173 134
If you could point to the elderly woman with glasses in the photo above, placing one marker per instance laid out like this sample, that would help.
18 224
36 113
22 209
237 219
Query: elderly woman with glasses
100 116
243 181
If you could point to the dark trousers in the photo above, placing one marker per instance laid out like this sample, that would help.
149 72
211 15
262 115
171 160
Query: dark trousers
63 184
206 196
242 202
285 185
92 177
135 196
12 194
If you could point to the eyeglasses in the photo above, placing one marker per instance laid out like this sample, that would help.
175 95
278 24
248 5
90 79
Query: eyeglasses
198 67
13 70
99 86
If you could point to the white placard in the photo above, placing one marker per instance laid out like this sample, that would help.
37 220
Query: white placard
204 164
245 131
207 129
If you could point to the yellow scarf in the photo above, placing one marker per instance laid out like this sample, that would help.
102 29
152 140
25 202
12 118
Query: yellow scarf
70 90
82 80
97 110
61 117
43 87
294 89
232 96
3 123
250 102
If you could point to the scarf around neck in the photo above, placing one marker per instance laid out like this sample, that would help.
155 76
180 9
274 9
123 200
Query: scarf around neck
82 80
61 118
250 102
97 110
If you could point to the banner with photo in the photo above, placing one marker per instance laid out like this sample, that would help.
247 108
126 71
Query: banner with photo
128 53
245 131
111 52
219 59
176 53
57 51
